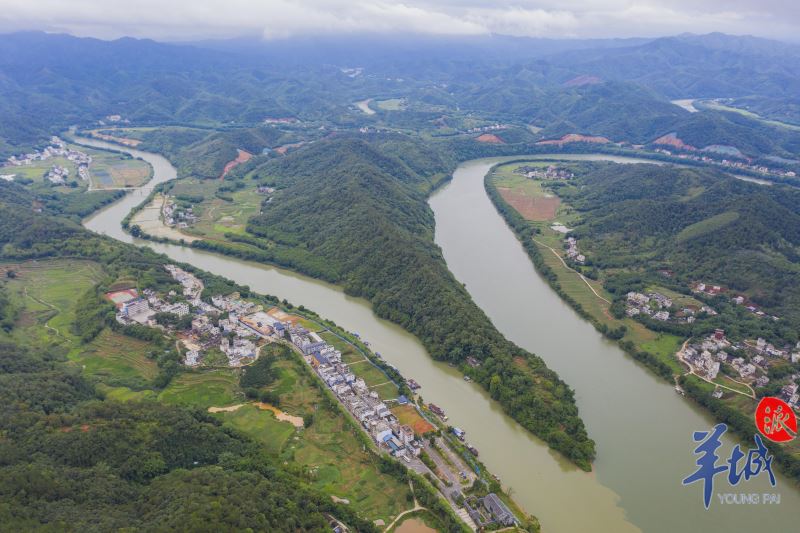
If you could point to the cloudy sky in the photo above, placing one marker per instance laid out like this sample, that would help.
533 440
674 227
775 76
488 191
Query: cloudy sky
192 19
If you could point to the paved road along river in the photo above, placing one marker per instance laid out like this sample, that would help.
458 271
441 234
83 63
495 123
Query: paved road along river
642 428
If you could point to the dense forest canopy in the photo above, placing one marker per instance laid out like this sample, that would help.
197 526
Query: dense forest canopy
701 224
70 459
361 209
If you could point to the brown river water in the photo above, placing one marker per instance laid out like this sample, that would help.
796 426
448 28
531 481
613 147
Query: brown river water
642 428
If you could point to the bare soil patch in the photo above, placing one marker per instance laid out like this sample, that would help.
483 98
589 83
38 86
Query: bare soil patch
408 416
538 208
242 157
490 138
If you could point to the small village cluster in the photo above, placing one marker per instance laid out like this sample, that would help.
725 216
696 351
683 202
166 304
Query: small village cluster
233 335
736 165
58 174
706 357
573 252
365 405
716 290
660 307
552 172
175 215
492 127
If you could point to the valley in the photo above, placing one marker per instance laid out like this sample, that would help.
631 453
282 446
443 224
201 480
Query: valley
413 281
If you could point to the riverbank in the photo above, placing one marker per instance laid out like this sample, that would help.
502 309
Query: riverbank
636 483
585 298
442 316
642 428
632 336
324 326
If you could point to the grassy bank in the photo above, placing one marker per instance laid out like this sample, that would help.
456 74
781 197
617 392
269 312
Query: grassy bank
587 297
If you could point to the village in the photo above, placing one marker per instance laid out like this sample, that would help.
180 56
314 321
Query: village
552 172
57 175
238 329
746 165
749 361
177 214
572 250
492 127
660 307
709 289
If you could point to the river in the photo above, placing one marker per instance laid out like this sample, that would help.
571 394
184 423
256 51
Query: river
642 428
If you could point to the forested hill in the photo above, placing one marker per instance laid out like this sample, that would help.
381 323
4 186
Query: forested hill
71 459
362 210
703 225
50 82
689 65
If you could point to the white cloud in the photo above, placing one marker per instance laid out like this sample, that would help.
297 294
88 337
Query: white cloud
188 19
527 22
284 18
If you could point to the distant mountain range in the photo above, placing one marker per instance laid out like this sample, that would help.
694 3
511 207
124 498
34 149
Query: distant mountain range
618 88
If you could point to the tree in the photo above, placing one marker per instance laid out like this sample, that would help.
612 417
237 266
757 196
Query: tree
495 384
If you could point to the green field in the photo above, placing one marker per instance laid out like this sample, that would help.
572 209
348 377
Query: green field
374 376
678 299
574 286
328 449
339 466
530 197
125 394
36 170
218 215
390 104
113 170
728 382
709 225
215 388
349 353
664 346
262 426
107 169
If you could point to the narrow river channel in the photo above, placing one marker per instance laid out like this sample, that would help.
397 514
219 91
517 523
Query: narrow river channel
642 428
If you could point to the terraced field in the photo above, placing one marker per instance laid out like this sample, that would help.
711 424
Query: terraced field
117 357
46 293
